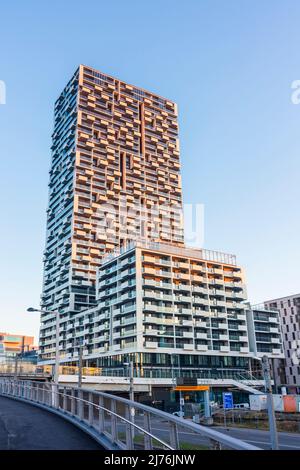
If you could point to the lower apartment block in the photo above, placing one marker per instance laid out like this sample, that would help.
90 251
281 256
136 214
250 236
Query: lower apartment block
264 332
171 310
288 370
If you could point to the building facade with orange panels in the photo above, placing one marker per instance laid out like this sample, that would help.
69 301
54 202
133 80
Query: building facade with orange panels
12 344
174 311
115 155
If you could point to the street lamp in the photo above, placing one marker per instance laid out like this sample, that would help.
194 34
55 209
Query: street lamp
57 314
80 362
129 365
270 403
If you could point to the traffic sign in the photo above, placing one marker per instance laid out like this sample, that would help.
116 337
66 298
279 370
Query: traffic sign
227 400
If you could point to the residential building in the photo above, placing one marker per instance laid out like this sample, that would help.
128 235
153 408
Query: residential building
264 331
116 266
289 309
13 344
157 301
265 339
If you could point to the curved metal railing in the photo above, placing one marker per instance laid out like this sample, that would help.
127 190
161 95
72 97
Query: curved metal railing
119 423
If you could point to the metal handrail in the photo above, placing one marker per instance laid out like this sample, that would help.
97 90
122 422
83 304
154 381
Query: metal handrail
136 426
57 393
34 393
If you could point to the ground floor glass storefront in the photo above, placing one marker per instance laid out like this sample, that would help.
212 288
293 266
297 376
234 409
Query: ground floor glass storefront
162 365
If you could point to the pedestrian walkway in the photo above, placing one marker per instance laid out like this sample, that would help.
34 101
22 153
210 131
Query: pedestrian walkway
26 427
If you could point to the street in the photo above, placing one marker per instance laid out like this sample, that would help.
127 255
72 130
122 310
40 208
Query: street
256 437
259 438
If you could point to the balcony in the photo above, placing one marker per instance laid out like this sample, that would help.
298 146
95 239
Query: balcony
218 314
183 287
242 327
201 336
183 298
101 338
160 285
101 350
164 309
276 351
188 347
201 324
151 344
275 340
202 347
150 332
126 321
200 301
182 311
161 321
243 339
188 334
240 317
181 265
274 330
199 290
224 337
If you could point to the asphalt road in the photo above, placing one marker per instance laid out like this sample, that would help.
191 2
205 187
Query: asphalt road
256 437
26 427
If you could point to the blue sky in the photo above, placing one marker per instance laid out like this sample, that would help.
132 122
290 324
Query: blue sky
229 66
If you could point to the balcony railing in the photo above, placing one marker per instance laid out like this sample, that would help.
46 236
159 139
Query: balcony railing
202 254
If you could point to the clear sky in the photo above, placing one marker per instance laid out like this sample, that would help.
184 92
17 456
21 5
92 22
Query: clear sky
228 64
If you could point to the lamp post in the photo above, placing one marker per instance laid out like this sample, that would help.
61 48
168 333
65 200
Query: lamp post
129 365
80 363
57 314
270 403
131 388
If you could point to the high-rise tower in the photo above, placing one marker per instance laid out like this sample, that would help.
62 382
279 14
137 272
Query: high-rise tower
115 157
